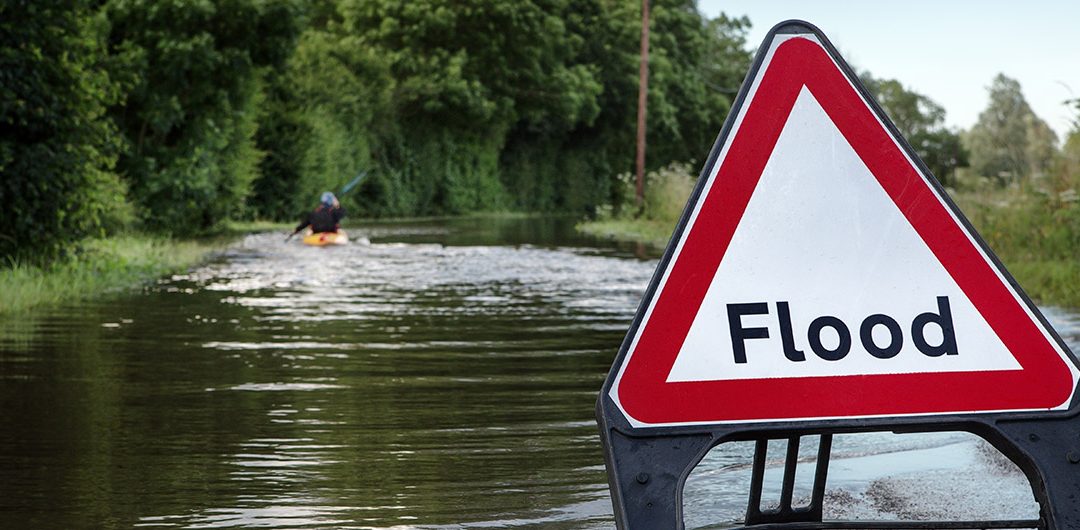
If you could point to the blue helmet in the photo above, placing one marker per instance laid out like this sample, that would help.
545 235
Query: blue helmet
327 199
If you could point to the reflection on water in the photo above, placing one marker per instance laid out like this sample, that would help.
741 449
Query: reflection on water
429 379
443 376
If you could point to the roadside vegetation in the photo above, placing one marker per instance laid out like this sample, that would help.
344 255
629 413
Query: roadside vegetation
101 266
1035 232
174 118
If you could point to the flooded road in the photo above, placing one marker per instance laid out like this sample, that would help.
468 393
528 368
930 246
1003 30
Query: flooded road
442 376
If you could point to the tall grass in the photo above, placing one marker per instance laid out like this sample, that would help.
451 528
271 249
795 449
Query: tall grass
651 222
100 266
1035 231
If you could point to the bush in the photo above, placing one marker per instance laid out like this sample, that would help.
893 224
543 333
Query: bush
666 192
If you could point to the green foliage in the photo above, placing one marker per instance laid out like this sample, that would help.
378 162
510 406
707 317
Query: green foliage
464 78
436 171
554 169
1010 142
525 105
57 148
193 75
669 188
209 111
1076 117
695 69
481 65
696 66
666 192
922 122
560 173
1067 170
274 191
1033 225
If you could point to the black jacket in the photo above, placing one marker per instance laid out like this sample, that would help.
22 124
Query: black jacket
322 219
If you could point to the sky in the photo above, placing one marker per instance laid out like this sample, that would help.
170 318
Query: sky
948 50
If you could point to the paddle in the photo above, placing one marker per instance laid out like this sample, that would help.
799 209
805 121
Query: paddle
345 189
352 183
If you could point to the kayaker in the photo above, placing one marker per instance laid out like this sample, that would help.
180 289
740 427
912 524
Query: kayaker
324 218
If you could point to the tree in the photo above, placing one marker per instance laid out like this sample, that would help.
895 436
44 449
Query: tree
57 147
696 67
194 76
464 76
922 122
456 108
696 71
478 66
323 115
1009 141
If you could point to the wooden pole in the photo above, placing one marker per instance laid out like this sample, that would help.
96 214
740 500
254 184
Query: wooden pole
643 92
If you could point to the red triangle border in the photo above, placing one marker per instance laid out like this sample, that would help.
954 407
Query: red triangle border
1045 382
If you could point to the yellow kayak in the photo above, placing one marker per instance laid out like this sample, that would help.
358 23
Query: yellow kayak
322 239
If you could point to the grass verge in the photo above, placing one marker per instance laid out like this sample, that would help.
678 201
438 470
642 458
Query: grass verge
113 264
652 233
99 267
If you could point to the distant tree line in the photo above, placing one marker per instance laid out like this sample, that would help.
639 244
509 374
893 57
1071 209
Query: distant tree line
1009 144
174 116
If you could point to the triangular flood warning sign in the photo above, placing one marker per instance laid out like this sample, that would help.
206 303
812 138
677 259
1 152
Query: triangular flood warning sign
821 274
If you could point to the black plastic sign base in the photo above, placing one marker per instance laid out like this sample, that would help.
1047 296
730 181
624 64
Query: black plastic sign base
647 474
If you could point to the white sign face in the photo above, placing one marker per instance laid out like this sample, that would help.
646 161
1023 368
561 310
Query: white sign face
845 251
821 274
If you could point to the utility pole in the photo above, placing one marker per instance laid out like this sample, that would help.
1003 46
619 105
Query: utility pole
643 96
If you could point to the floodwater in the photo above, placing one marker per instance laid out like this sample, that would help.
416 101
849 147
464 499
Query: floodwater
442 376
